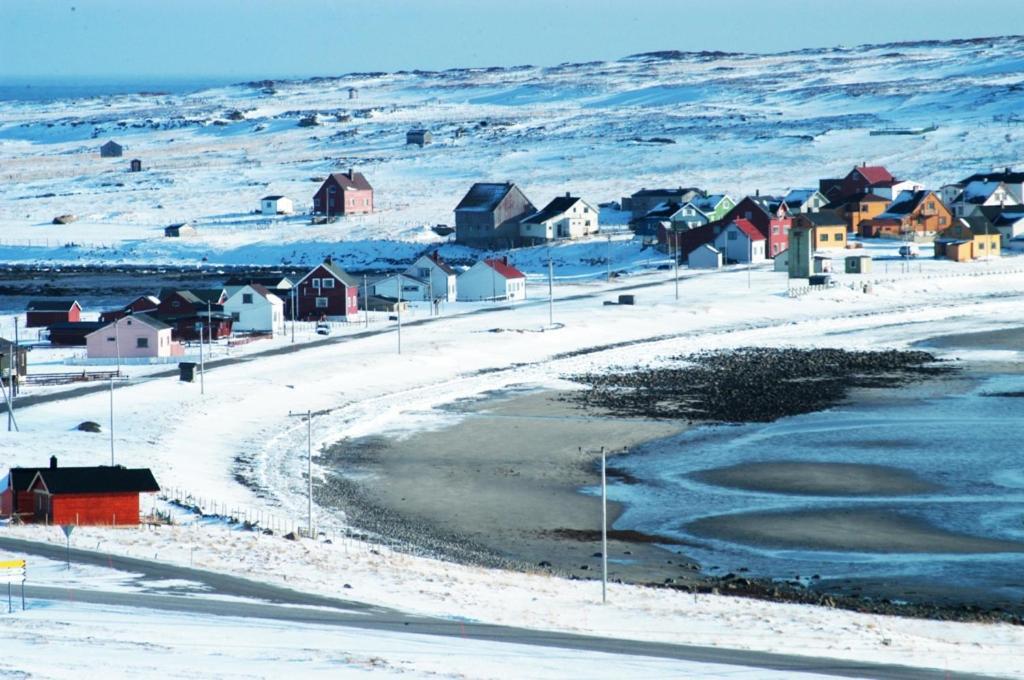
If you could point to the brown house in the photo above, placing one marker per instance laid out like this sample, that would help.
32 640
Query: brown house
862 179
912 214
344 193
194 314
858 208
489 215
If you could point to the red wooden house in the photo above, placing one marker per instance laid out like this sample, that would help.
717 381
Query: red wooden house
41 313
773 221
327 292
344 193
863 178
15 498
89 495
144 304
191 312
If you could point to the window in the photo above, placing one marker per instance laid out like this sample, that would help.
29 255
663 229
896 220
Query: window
942 220
316 283
775 229
586 223
931 205
775 248
110 338
747 215
327 283
321 303
236 316
839 237
732 236
142 343
822 237
246 299
424 272
981 245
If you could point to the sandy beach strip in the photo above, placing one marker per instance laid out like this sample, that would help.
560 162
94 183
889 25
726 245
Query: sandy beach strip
817 479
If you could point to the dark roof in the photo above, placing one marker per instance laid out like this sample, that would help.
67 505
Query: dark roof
335 271
668 193
81 326
167 293
100 479
1003 215
979 224
150 321
205 295
351 180
269 282
856 198
271 198
663 211
21 477
1006 175
905 203
110 145
51 305
553 209
824 218
418 131
484 196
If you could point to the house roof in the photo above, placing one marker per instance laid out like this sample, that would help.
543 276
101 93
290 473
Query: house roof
21 478
441 264
1003 216
271 198
335 271
265 281
205 295
707 203
484 196
667 193
556 207
100 479
503 268
110 144
904 204
663 211
978 191
979 225
418 131
51 305
1005 175
797 197
82 326
351 180
874 174
825 218
748 228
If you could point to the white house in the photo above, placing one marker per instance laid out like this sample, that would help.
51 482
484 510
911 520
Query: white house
800 201
412 288
564 217
276 205
441 278
492 279
978 194
255 309
740 241
704 256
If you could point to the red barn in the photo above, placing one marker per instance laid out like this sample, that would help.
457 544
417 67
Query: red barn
327 292
344 194
40 313
89 495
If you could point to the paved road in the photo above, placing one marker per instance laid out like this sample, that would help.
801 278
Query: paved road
282 604
31 400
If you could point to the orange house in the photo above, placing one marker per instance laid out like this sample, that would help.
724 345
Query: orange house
859 208
913 213
971 238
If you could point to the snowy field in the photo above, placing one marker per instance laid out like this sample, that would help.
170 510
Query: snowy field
241 426
739 123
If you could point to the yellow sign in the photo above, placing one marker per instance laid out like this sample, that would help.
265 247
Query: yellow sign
13 564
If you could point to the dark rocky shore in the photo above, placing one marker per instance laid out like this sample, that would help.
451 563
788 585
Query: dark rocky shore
751 384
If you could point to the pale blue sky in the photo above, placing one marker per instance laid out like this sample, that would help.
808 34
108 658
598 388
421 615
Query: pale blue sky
134 39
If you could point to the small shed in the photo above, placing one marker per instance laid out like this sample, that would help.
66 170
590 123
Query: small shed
135 165
71 333
419 136
20 354
180 230
111 150
353 93
858 264
704 256
822 264
276 205
41 313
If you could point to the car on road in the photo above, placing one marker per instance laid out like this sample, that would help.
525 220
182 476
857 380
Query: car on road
323 329
909 250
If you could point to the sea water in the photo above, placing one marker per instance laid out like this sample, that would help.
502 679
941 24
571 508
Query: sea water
969 445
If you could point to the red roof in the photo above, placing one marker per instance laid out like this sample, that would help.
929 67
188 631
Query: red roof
747 227
875 174
504 268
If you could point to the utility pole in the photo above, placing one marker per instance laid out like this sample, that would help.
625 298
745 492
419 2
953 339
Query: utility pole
309 465
366 303
12 370
609 258
604 529
111 422
551 292
17 344
202 365
399 313
675 263
294 310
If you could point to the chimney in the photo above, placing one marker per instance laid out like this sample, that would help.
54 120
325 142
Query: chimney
757 192
328 260
53 462
567 194
351 173
504 259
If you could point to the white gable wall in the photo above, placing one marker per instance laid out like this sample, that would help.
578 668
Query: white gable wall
254 313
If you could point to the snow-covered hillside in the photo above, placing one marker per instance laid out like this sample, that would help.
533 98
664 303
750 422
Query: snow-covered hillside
736 123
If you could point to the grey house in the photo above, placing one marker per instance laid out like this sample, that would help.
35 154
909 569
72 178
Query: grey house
111 150
489 215
646 200
419 136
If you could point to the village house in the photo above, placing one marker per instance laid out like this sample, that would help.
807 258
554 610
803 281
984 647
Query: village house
254 309
111 150
39 313
563 218
645 200
490 215
135 165
799 201
741 242
180 230
135 336
419 136
402 287
857 264
705 256
278 284
143 303
828 227
915 214
9 349
858 208
344 193
440 277
15 498
72 333
492 279
979 194
670 215
969 238
81 496
862 179
1009 221
1014 181
195 314
770 218
276 205
327 292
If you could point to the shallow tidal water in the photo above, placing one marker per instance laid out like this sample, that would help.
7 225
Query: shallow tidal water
938 502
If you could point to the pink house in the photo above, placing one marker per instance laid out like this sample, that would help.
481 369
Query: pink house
344 193
135 335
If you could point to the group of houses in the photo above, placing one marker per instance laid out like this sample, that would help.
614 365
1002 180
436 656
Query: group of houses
94 495
498 214
975 218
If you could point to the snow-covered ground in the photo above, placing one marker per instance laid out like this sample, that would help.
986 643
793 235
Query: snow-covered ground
739 123
242 424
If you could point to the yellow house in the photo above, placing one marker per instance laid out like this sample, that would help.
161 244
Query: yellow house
970 238
861 207
828 227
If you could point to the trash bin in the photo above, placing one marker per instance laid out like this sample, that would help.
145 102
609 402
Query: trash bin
627 299
187 371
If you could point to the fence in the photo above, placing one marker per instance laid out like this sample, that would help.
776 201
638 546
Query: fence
797 291
65 378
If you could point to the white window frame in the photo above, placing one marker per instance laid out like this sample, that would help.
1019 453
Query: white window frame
326 283
321 303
